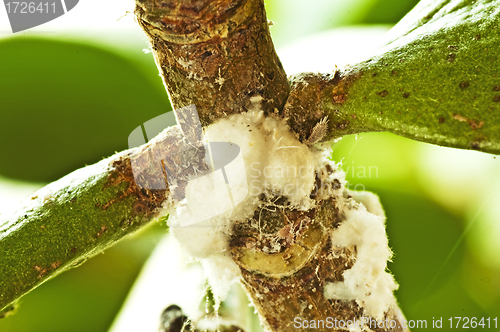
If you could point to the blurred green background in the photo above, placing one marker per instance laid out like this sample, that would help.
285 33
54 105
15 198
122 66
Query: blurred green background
67 100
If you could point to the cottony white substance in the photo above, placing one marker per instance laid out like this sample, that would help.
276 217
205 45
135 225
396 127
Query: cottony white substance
274 158
275 163
370 201
221 271
367 281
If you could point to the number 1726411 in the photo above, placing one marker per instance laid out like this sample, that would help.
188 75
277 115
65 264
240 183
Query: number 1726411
30 7
473 323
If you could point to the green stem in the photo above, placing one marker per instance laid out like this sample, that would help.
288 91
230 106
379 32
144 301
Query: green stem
437 81
74 218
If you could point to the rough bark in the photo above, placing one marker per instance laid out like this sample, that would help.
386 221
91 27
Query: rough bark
290 284
217 55
220 57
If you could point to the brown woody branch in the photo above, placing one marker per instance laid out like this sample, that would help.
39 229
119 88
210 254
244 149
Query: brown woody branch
219 56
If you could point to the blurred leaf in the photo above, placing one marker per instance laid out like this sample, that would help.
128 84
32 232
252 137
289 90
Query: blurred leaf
388 11
65 104
422 236
296 18
382 160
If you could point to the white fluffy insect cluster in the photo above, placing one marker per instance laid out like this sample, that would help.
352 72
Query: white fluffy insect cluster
367 282
276 163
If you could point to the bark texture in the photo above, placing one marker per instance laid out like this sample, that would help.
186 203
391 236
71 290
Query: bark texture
219 56
290 283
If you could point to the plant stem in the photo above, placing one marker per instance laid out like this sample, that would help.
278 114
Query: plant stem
220 57
217 55
76 217
436 81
